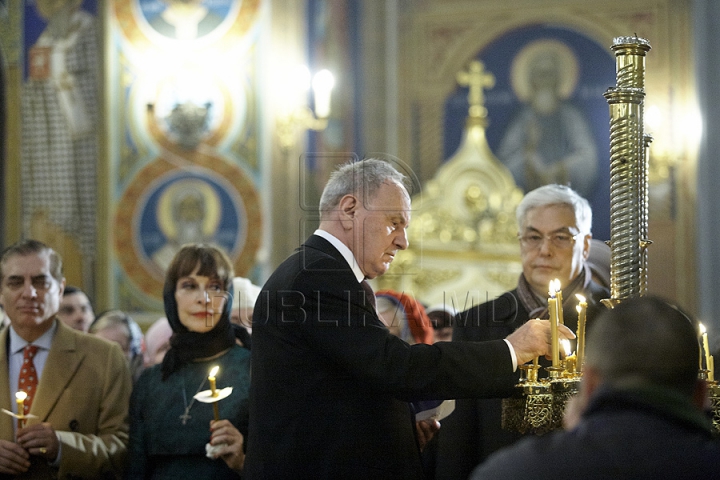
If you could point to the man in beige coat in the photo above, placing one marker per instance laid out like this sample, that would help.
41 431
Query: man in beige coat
78 425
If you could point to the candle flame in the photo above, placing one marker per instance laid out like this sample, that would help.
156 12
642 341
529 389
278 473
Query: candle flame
702 328
214 371
554 287
21 395
566 346
580 298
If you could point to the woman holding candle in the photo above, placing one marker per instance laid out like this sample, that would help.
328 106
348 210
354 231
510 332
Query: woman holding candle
170 430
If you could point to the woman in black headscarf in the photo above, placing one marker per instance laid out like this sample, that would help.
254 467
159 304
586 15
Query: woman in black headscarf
173 435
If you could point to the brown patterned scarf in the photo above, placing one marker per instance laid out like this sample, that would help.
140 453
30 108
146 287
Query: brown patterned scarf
537 307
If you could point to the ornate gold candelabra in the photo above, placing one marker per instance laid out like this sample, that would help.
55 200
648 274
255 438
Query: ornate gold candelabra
538 405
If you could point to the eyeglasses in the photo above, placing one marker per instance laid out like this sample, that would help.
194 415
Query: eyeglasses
561 241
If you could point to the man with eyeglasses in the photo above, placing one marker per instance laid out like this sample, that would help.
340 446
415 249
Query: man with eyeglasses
554 236
77 386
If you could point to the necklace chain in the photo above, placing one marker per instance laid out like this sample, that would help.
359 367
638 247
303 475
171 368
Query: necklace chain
186 414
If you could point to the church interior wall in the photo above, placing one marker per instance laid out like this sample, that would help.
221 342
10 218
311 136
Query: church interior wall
395 62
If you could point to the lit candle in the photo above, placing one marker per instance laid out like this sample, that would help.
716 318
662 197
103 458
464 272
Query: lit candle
20 397
211 378
213 390
322 84
582 318
558 292
552 308
706 347
570 358
700 349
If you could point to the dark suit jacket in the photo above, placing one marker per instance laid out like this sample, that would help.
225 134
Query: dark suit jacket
473 431
84 392
330 384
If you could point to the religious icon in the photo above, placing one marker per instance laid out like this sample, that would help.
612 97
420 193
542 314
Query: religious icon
60 111
549 140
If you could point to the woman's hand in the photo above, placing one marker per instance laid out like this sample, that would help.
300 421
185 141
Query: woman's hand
224 434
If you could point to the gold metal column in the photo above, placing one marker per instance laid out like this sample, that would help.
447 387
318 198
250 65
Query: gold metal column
628 171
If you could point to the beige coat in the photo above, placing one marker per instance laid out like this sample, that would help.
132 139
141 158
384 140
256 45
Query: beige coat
83 393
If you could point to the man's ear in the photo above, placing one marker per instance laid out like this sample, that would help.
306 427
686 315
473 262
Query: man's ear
348 207
586 246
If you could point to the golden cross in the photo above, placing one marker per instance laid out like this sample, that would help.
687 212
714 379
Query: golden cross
476 79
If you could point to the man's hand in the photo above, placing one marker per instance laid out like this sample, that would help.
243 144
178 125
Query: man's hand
14 460
426 429
39 440
224 433
533 339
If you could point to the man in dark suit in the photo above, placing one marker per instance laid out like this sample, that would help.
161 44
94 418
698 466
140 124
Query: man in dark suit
330 384
554 239
79 384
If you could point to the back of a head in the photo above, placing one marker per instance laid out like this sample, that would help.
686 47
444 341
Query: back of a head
362 178
554 194
645 341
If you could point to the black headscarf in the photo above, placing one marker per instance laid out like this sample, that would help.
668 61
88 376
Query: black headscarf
186 346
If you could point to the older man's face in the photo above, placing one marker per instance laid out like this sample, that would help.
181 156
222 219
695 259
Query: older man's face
560 254
30 294
381 225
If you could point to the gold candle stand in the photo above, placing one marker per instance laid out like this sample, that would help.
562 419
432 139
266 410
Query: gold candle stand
538 406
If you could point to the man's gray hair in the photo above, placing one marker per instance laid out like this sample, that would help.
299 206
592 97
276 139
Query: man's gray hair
645 341
29 246
362 179
557 195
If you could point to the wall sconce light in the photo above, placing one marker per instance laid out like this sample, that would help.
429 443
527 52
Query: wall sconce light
295 114
676 132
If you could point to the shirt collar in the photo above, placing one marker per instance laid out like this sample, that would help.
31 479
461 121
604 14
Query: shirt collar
344 251
17 343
